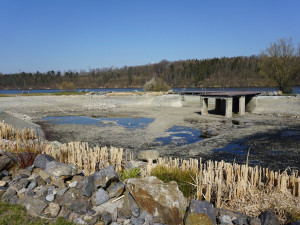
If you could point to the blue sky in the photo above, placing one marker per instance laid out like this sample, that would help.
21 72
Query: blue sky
85 34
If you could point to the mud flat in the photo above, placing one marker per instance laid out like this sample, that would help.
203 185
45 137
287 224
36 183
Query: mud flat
168 124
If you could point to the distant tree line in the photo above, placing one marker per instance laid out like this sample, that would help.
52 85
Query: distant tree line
216 72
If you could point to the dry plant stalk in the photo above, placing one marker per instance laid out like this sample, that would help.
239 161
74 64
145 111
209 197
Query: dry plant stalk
89 159
235 186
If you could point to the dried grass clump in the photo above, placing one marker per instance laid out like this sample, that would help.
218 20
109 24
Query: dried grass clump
20 146
89 159
283 204
9 132
239 187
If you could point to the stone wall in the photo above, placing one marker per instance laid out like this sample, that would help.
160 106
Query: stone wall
53 189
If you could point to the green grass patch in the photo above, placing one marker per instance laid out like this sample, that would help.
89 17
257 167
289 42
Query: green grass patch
129 173
16 215
55 93
184 179
5 95
70 93
44 94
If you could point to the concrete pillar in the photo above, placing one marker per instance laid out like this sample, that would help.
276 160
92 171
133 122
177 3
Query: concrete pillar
228 113
251 103
218 105
204 110
242 105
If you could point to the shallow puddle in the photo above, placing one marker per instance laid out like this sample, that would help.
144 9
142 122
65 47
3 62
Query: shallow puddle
127 122
179 135
235 147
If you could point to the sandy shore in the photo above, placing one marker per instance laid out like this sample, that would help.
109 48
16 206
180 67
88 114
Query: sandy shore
262 133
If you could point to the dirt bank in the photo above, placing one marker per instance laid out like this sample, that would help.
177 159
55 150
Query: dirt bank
262 133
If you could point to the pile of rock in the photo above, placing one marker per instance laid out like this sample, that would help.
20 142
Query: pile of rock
53 189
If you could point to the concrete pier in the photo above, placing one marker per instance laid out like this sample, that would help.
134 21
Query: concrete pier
204 110
235 101
228 113
242 105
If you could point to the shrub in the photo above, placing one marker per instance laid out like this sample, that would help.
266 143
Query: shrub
67 86
156 85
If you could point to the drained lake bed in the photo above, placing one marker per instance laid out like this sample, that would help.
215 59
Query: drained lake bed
166 124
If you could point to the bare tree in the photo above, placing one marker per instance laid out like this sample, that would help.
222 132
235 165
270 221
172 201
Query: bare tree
280 61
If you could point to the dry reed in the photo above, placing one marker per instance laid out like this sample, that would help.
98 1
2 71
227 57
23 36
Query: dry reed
89 159
241 187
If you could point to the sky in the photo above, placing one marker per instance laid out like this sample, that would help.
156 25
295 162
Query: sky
43 35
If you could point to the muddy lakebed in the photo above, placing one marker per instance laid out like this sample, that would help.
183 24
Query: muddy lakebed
278 148
166 124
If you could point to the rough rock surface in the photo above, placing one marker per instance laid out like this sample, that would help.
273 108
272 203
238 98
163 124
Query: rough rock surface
33 205
100 197
5 162
268 218
148 155
115 190
86 200
163 200
87 186
41 161
105 177
61 170
200 212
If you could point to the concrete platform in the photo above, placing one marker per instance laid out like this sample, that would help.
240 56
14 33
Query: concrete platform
226 102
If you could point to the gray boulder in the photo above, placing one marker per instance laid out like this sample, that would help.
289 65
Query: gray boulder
32 185
68 196
81 205
87 186
79 221
41 161
148 155
111 207
33 205
200 212
22 183
53 209
61 170
107 218
5 162
164 200
105 177
129 203
9 196
115 190
146 216
254 221
124 213
137 221
100 197
224 215
268 218
240 221
225 219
